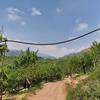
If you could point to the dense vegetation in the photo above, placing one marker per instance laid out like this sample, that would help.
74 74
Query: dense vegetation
89 89
27 69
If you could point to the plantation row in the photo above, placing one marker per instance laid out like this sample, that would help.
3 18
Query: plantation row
27 69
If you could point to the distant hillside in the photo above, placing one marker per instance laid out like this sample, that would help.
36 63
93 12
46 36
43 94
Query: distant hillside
45 56
73 54
17 52
13 53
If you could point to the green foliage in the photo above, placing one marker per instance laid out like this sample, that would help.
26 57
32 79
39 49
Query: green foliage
25 70
87 90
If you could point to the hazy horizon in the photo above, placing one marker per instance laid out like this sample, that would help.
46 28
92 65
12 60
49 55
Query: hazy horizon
50 21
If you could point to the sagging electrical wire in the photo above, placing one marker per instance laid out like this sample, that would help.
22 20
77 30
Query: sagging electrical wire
53 43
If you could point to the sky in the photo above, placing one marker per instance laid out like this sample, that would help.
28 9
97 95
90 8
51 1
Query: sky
45 21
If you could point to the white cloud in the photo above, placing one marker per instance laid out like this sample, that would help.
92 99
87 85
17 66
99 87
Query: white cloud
59 10
23 23
71 37
14 10
14 14
36 12
13 17
82 26
49 50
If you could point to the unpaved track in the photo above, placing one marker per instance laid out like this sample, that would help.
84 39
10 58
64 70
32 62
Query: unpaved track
51 91
56 90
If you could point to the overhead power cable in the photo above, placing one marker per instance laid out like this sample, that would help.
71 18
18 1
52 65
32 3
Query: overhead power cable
54 43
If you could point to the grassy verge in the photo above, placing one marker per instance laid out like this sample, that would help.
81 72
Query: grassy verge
89 89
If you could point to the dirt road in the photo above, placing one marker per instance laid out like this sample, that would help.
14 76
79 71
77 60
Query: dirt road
56 90
51 91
